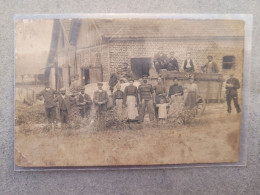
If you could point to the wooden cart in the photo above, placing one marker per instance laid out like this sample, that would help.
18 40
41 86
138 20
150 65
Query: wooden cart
210 86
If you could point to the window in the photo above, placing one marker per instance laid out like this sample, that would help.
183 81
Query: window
228 62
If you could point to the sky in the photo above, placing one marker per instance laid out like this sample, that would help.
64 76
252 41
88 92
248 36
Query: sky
32 44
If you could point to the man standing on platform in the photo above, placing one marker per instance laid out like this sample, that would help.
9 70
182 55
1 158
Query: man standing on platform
188 64
232 85
145 91
160 60
211 66
173 63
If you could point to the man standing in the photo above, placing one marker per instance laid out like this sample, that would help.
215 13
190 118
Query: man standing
160 94
84 103
160 60
145 91
173 63
100 100
188 64
50 106
211 66
64 105
232 85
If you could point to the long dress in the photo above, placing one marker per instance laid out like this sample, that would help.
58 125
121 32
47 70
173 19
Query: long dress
131 100
118 99
191 95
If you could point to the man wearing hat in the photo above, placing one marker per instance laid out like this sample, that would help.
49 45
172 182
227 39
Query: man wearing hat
160 60
211 66
64 102
50 106
172 63
232 85
84 103
100 100
145 91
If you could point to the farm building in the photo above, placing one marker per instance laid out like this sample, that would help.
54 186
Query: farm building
87 51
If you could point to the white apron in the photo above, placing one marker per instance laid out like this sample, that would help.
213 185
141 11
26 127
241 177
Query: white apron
132 111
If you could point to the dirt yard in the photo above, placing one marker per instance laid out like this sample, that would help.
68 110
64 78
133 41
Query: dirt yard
211 138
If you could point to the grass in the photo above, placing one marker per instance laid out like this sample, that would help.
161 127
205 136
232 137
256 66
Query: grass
212 137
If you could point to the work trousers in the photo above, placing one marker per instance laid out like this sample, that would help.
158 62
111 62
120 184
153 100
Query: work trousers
229 98
85 111
64 116
150 108
51 114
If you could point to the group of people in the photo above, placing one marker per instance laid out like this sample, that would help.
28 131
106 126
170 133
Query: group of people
162 61
70 106
131 104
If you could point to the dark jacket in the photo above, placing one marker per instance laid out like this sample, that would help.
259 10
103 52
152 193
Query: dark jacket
131 90
236 86
66 103
48 97
188 69
118 94
175 89
173 65
83 100
161 59
100 97
213 68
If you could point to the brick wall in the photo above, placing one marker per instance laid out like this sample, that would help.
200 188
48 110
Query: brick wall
89 58
121 51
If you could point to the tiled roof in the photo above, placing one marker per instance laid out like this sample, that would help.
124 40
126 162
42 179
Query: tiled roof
125 28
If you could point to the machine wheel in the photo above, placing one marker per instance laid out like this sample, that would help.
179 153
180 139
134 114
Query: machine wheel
201 105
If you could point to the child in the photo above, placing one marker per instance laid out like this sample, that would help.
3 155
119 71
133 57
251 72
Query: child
162 109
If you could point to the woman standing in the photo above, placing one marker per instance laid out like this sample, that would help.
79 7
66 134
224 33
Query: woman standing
131 100
191 94
118 99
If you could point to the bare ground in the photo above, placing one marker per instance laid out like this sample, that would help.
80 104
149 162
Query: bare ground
211 138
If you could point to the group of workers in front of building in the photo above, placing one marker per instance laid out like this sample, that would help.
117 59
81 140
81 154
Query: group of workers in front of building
132 103
162 61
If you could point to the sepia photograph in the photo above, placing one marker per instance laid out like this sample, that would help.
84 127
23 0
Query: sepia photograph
128 91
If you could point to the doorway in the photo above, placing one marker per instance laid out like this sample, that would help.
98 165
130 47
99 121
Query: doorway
85 78
140 67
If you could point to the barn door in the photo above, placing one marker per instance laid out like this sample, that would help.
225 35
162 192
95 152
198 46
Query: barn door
140 67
